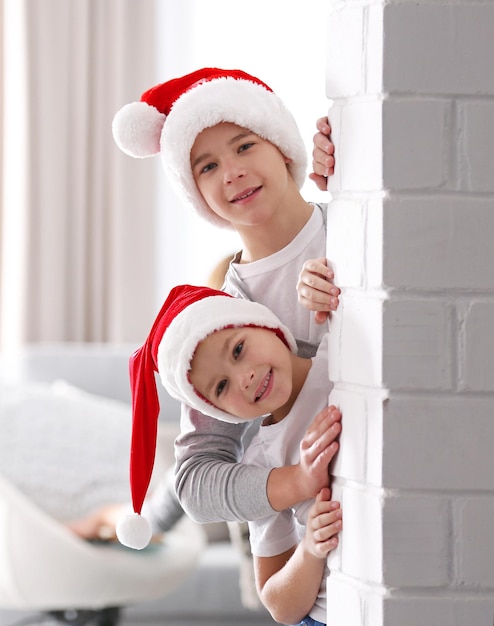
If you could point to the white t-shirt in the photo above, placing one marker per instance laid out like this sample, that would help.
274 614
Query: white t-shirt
275 275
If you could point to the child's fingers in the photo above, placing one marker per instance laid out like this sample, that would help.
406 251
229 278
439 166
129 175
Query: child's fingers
315 288
320 180
325 422
321 316
329 520
317 301
323 125
324 495
318 266
328 530
325 524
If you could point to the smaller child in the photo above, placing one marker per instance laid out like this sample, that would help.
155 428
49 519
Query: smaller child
236 361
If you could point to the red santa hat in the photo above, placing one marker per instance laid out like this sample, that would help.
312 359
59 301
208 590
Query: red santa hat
169 117
187 317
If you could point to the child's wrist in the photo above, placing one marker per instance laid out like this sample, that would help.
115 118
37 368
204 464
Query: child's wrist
286 487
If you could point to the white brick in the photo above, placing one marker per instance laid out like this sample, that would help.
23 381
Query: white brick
356 341
354 50
475 524
416 541
359 457
476 134
439 49
478 347
361 557
439 443
438 243
357 135
351 458
344 68
354 242
344 603
416 143
346 241
417 346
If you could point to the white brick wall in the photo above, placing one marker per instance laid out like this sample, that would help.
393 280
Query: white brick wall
410 235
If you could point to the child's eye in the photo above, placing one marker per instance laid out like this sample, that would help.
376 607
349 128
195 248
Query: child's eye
208 168
237 350
245 146
220 388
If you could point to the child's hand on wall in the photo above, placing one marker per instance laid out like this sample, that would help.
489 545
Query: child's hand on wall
322 154
316 290
323 525
317 449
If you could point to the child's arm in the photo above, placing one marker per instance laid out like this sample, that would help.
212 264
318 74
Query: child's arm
322 154
212 485
316 290
289 583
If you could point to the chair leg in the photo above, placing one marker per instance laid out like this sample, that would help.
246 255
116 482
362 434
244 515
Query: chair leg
108 617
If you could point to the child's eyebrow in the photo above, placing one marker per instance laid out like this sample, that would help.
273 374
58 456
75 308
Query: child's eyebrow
200 158
207 155
240 136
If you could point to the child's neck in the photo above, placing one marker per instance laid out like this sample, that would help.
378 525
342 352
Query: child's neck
300 371
285 224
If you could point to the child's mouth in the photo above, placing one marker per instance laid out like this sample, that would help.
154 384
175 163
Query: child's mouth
264 386
244 195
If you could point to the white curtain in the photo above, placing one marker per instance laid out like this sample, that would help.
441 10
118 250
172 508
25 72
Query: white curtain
76 215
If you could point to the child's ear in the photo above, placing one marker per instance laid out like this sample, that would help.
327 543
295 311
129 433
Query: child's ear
287 160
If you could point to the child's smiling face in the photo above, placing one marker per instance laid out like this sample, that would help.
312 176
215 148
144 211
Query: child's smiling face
241 176
244 371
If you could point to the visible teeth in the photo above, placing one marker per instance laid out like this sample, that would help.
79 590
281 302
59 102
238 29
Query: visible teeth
244 196
264 387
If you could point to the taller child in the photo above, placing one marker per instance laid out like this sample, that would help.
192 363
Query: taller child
234 153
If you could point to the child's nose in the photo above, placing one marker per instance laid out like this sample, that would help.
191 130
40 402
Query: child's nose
246 379
232 171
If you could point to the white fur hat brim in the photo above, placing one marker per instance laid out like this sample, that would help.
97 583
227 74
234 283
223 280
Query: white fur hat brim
190 327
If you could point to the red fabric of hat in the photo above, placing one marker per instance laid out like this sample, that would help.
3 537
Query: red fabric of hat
162 97
145 403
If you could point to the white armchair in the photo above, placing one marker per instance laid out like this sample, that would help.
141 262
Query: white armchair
64 451
46 567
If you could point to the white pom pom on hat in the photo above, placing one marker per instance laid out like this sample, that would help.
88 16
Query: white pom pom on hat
134 531
137 129
189 314
187 105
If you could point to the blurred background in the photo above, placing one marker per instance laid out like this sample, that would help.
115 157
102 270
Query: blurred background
91 239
